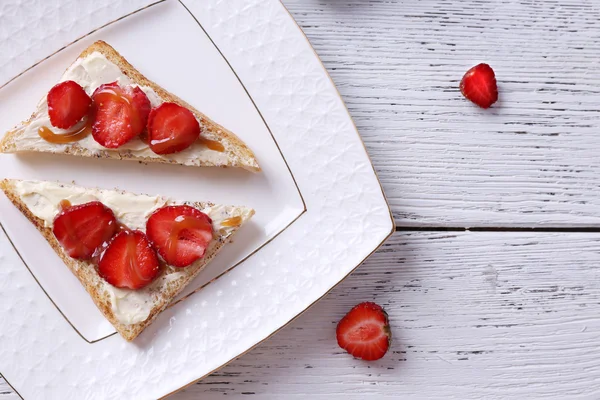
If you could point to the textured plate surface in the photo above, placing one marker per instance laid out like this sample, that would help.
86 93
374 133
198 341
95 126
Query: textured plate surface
347 218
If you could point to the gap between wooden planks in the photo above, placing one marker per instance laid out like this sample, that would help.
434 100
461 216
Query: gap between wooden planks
491 315
475 315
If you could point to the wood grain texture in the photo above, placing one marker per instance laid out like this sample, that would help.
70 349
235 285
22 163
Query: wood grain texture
531 160
6 392
475 316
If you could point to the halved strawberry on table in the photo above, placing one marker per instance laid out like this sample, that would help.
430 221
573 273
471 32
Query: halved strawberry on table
118 114
68 103
479 85
129 261
365 332
180 234
81 229
172 128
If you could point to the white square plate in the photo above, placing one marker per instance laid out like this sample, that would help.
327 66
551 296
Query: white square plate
320 208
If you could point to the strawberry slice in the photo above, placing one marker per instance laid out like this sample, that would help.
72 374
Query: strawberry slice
172 128
82 229
365 332
181 234
479 85
129 261
68 103
118 114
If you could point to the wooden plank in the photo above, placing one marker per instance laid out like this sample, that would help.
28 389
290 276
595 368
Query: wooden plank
531 160
475 315
6 393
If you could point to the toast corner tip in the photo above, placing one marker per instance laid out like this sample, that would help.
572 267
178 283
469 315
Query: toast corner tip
251 165
102 45
5 184
4 143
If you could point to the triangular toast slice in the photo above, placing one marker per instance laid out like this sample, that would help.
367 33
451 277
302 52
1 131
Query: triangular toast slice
100 64
130 311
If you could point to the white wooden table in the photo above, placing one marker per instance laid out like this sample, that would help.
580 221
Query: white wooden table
510 308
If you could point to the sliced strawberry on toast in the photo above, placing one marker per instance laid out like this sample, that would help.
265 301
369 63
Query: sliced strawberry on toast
117 129
180 234
68 103
129 261
84 228
172 128
118 114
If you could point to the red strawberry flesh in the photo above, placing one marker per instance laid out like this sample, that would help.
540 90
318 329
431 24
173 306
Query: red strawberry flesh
172 128
479 85
83 228
68 103
365 332
118 114
180 234
129 261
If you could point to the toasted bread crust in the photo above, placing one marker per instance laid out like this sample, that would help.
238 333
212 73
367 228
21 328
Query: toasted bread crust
241 152
88 276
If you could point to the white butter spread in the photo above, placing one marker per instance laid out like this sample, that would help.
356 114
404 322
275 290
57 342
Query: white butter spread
43 199
91 72
129 306
134 306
